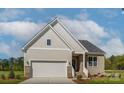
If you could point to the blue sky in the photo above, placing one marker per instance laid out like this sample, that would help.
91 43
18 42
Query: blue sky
103 27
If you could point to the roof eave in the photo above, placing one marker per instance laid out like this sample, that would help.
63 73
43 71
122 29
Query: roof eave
24 48
61 23
96 53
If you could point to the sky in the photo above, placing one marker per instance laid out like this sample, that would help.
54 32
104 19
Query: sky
103 27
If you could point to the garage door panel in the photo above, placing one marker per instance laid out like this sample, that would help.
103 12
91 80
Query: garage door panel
49 69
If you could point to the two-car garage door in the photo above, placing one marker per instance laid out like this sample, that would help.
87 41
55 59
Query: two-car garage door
49 69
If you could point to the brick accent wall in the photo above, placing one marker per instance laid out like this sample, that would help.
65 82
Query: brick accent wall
27 71
69 71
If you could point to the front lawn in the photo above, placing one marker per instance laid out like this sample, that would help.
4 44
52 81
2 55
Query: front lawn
6 73
11 81
104 80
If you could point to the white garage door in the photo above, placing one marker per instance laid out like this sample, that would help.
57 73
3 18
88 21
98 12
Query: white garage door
49 69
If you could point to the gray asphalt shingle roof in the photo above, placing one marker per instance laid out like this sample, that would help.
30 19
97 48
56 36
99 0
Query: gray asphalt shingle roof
91 47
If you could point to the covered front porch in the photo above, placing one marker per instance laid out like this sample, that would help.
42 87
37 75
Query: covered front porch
79 65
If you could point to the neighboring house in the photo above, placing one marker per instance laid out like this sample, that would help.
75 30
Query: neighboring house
55 52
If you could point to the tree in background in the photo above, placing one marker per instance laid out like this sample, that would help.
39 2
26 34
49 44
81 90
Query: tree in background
12 63
115 63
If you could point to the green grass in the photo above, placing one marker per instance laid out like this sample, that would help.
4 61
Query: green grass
116 71
107 80
6 73
104 80
11 81
8 81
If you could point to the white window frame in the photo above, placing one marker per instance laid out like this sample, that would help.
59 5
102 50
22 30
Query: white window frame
92 61
47 42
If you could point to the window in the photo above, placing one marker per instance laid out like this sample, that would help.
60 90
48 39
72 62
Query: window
92 61
95 61
48 42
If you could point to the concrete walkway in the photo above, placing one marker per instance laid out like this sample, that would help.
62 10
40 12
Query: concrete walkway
46 80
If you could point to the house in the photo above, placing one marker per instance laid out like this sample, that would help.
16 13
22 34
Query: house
55 52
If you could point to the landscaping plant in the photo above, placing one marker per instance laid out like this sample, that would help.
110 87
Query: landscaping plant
18 77
79 77
3 77
11 74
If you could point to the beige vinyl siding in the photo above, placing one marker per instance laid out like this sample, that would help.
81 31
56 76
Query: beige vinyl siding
75 46
48 55
40 51
99 68
56 42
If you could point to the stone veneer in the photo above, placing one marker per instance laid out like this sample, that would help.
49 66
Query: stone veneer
27 71
69 71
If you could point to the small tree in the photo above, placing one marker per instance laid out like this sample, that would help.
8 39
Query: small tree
11 74
3 77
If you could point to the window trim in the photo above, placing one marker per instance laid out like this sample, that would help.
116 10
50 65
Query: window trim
47 42
95 64
92 64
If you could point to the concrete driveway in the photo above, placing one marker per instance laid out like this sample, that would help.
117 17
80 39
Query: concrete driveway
47 80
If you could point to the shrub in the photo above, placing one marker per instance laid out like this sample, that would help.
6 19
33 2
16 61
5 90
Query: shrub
109 75
18 77
79 77
95 75
11 74
98 74
113 75
89 75
102 76
119 75
3 77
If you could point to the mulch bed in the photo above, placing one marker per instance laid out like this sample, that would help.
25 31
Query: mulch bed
82 81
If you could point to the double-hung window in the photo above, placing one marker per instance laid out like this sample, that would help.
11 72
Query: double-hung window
92 61
48 42
95 61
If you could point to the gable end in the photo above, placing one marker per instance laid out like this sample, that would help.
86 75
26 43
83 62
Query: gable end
39 34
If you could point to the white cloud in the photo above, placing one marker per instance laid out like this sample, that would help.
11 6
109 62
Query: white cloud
11 49
20 29
15 49
92 31
114 47
86 29
84 15
8 14
4 48
82 29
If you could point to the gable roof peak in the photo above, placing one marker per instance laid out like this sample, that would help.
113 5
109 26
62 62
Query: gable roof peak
48 25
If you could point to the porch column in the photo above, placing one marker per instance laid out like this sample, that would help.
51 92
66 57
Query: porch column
85 71
83 61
